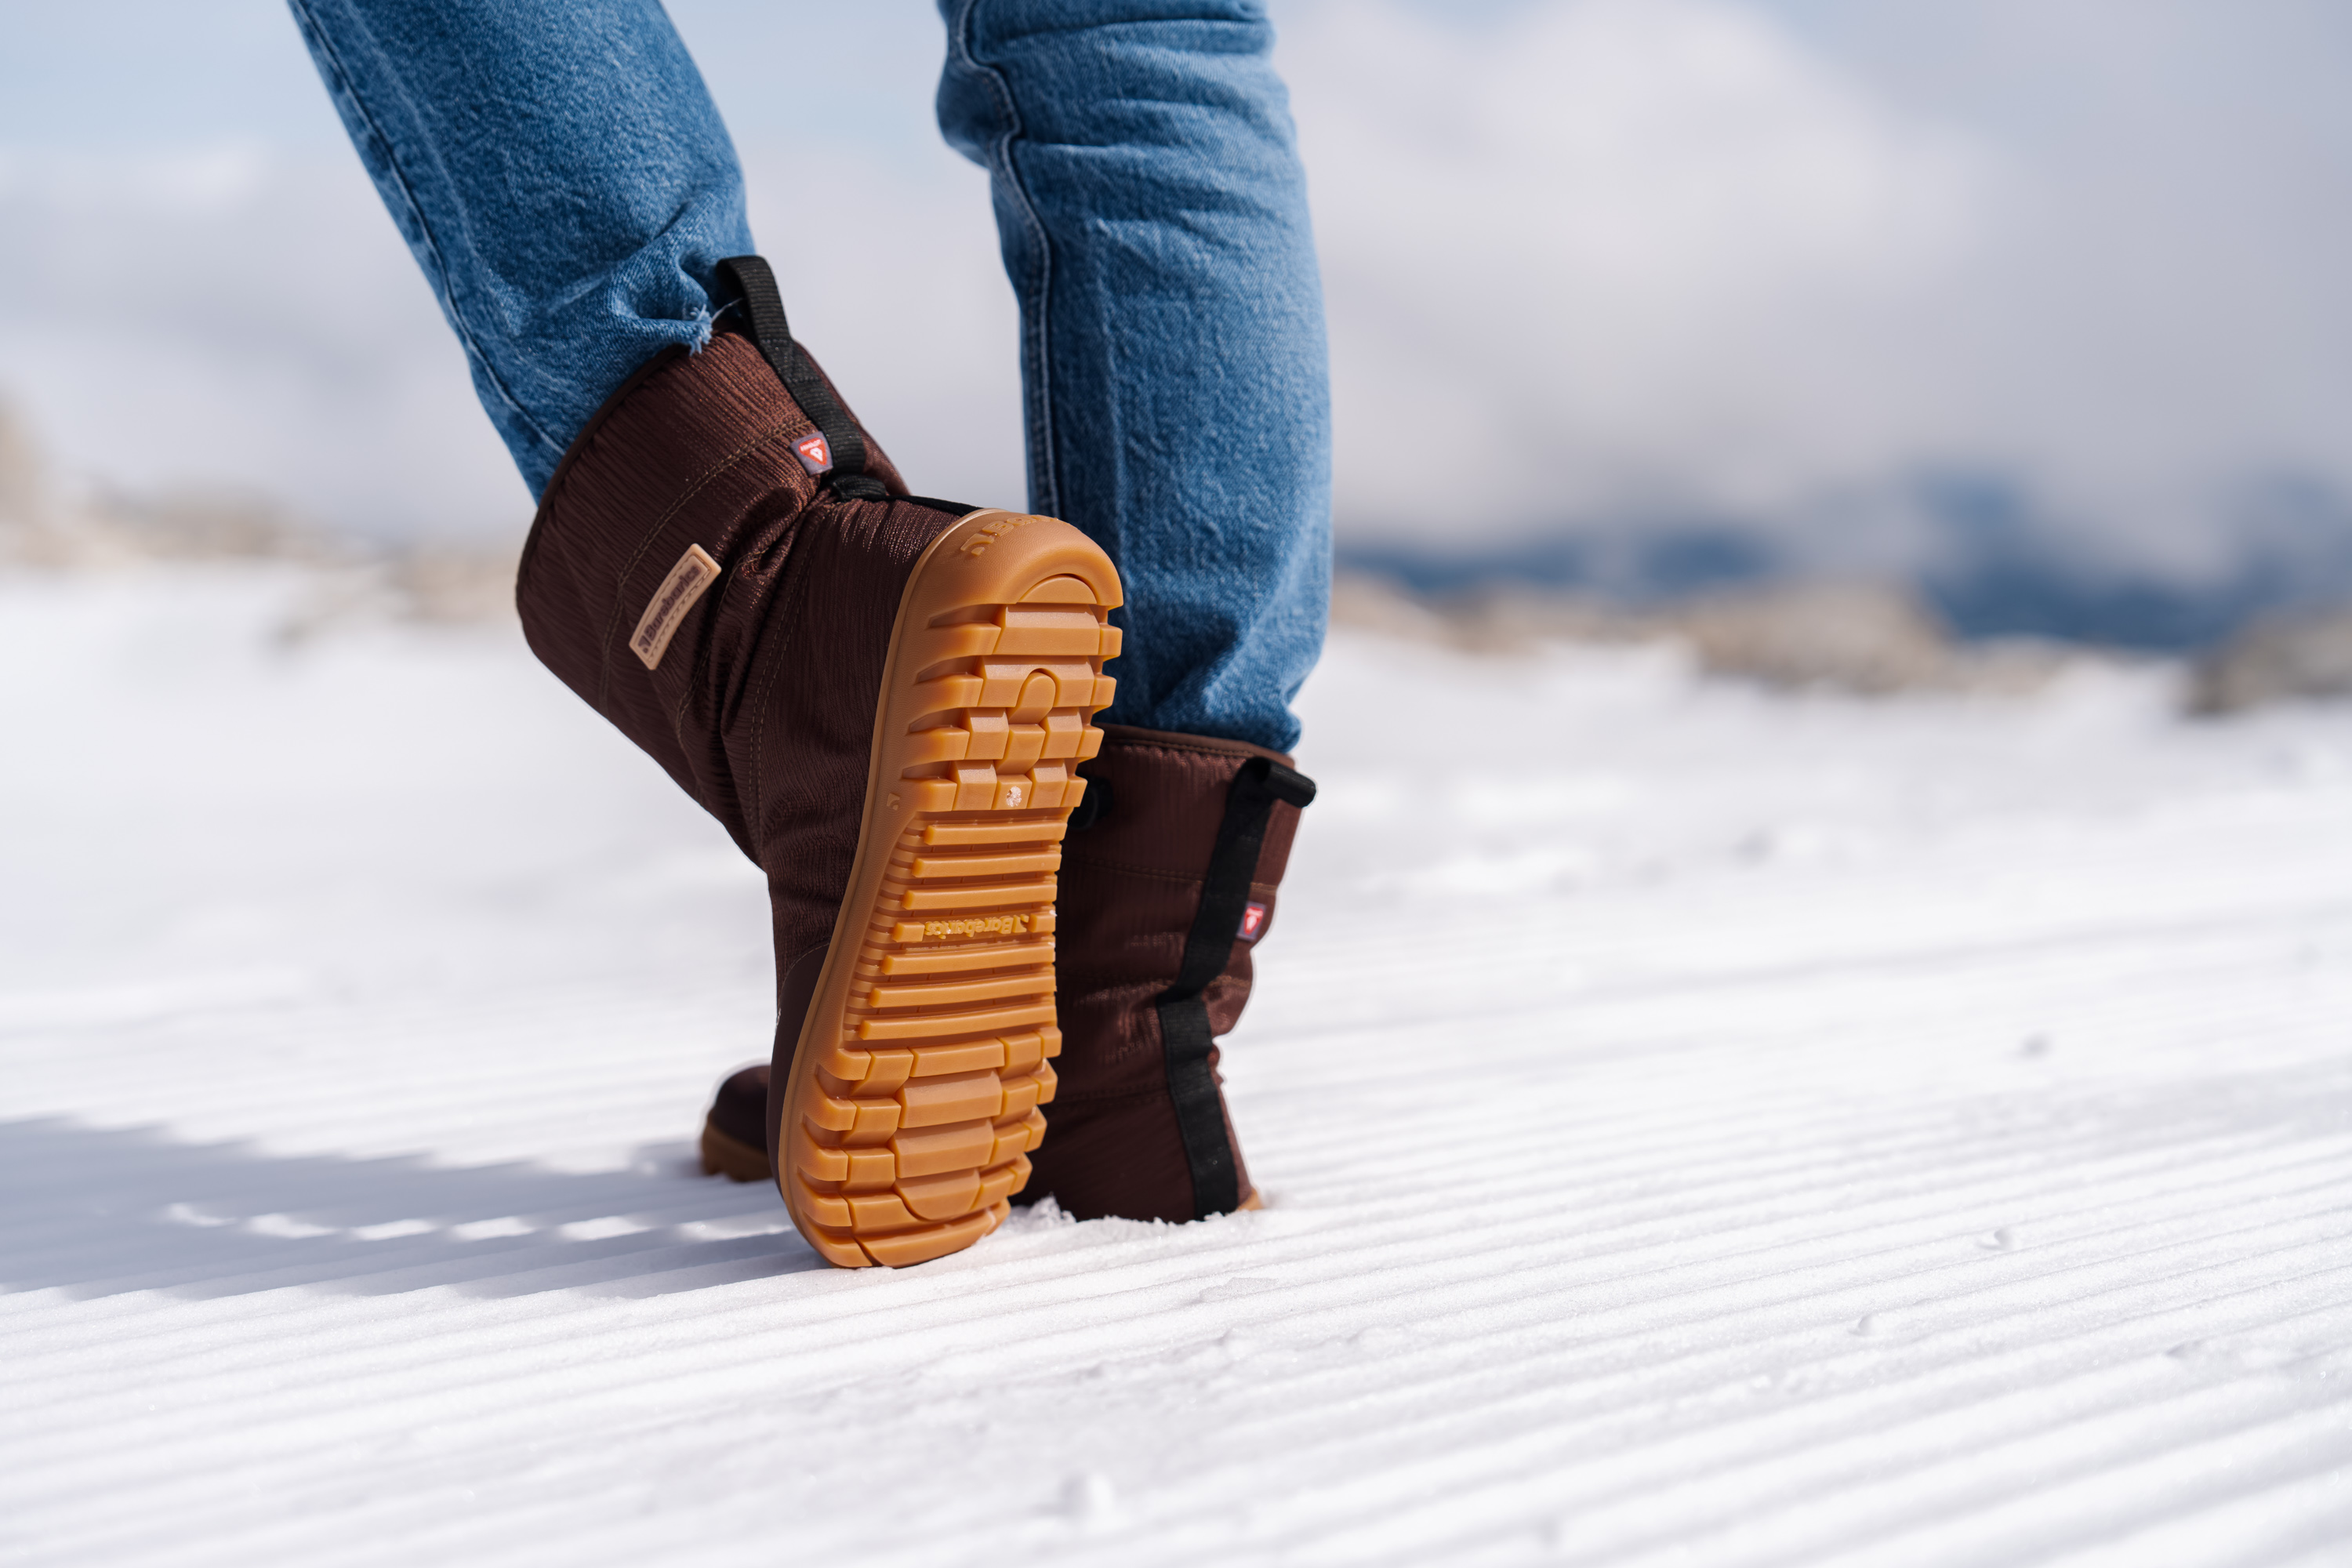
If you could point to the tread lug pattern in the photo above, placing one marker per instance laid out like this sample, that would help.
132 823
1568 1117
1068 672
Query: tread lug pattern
927 1103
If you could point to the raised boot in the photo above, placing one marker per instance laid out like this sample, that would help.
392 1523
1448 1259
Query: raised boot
883 699
1168 880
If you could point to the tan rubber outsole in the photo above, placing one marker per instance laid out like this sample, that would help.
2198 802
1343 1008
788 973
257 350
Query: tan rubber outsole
911 1103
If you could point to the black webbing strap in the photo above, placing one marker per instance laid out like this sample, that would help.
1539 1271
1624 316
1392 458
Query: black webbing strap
1183 1007
753 285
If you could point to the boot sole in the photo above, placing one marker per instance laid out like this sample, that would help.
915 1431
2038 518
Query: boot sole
912 1100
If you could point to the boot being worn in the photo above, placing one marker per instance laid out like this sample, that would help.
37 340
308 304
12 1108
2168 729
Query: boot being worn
1167 885
735 1133
1165 892
881 698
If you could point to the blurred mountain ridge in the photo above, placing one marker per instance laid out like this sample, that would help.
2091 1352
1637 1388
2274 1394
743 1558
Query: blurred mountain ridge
1844 636
1983 549
54 521
1742 609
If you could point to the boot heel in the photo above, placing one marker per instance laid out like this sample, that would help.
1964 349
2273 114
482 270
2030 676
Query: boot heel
916 1084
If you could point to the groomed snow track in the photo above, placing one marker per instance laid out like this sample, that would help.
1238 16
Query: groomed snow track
1699 1127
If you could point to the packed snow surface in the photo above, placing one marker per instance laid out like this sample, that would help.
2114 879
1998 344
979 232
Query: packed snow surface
1698 1126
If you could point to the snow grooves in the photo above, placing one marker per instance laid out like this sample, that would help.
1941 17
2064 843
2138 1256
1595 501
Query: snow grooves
1782 1220
1783 1330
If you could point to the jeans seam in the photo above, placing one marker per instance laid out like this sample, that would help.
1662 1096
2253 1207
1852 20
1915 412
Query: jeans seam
1046 460
341 86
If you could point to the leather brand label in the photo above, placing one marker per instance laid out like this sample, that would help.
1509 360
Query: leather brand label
814 453
694 572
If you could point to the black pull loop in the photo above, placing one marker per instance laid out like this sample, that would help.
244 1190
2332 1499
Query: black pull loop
1093 805
1183 1009
752 283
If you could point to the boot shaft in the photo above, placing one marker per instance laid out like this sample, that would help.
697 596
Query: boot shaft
1171 876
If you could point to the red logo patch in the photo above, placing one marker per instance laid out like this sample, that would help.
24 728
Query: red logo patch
1252 922
815 456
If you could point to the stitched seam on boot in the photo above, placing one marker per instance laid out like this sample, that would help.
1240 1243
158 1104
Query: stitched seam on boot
1123 1097
755 809
1129 868
620 610
1152 874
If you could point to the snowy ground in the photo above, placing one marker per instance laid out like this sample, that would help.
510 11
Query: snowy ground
1698 1127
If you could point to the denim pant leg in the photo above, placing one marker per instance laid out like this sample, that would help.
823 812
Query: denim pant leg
1154 218
561 175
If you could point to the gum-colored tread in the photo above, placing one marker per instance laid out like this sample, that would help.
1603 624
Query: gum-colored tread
992 832
914 1087
934 1151
934 994
928 866
935 1241
956 895
1001 1183
947 1198
937 1061
875 1026
959 960
946 1102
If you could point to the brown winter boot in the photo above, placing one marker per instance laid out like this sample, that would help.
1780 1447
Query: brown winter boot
1168 882
882 698
1166 890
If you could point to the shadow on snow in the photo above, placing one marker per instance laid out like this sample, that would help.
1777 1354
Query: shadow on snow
96 1212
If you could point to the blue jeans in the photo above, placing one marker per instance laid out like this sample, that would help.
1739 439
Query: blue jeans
561 175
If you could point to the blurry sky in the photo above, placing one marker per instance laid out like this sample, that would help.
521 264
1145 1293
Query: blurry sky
1787 267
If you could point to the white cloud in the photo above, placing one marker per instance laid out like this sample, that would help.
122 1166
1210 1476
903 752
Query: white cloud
196 289
1612 252
1618 257
1748 258
223 315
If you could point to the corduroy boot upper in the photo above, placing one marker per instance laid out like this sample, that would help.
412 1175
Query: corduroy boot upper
699 452
1164 897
